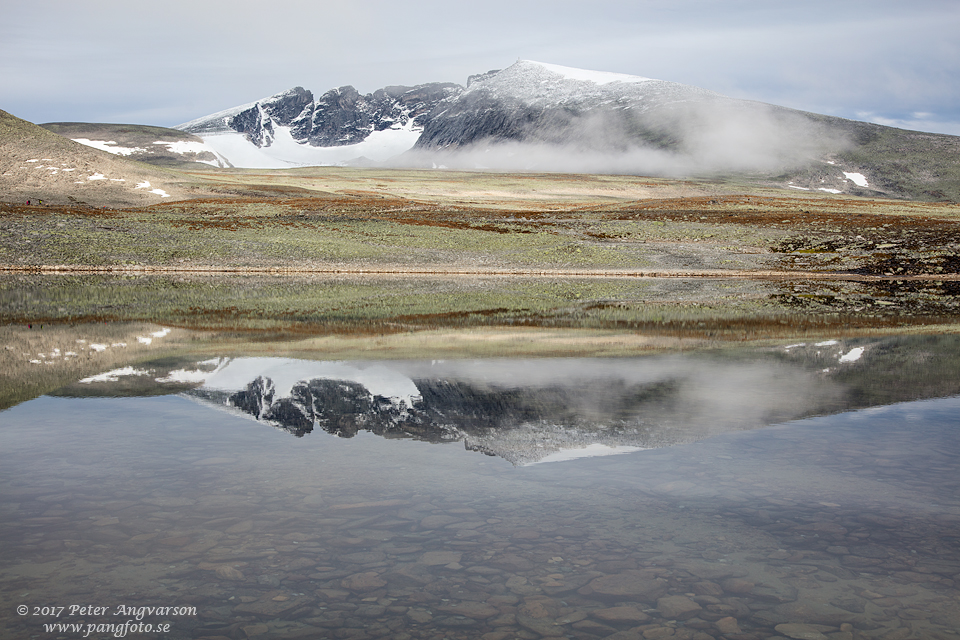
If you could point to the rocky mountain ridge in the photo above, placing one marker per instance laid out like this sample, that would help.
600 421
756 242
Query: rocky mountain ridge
339 117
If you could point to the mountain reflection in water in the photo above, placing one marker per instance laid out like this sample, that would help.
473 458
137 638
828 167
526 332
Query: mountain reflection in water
525 410
536 410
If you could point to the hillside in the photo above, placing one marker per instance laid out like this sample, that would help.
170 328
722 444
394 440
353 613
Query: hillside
153 145
900 163
39 165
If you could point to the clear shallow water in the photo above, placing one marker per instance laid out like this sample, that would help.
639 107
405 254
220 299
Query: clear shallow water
846 525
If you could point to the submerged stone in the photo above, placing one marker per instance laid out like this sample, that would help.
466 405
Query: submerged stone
629 585
800 631
677 607
365 581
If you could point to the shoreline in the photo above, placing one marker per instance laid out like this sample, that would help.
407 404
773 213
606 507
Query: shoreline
714 274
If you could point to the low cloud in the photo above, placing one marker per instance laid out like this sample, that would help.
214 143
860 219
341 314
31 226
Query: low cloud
693 139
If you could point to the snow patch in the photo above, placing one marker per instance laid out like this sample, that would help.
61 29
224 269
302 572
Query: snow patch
589 451
184 375
856 178
146 185
97 176
109 146
829 190
156 334
115 375
853 355
193 146
183 146
194 376
596 77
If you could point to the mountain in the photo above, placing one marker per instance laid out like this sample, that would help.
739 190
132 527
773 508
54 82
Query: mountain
37 164
561 119
291 128
537 102
153 145
534 116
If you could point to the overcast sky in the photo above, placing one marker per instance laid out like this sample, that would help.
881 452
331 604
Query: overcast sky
164 62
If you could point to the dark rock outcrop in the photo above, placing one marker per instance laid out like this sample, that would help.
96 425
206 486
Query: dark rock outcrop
341 116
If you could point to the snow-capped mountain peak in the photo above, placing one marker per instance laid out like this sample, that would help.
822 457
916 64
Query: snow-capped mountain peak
582 75
546 84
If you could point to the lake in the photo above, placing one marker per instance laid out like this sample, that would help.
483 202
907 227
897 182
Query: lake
786 489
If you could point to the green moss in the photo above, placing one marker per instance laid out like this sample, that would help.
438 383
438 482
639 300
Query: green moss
381 305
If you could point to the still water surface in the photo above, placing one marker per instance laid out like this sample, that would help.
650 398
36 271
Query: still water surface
783 494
